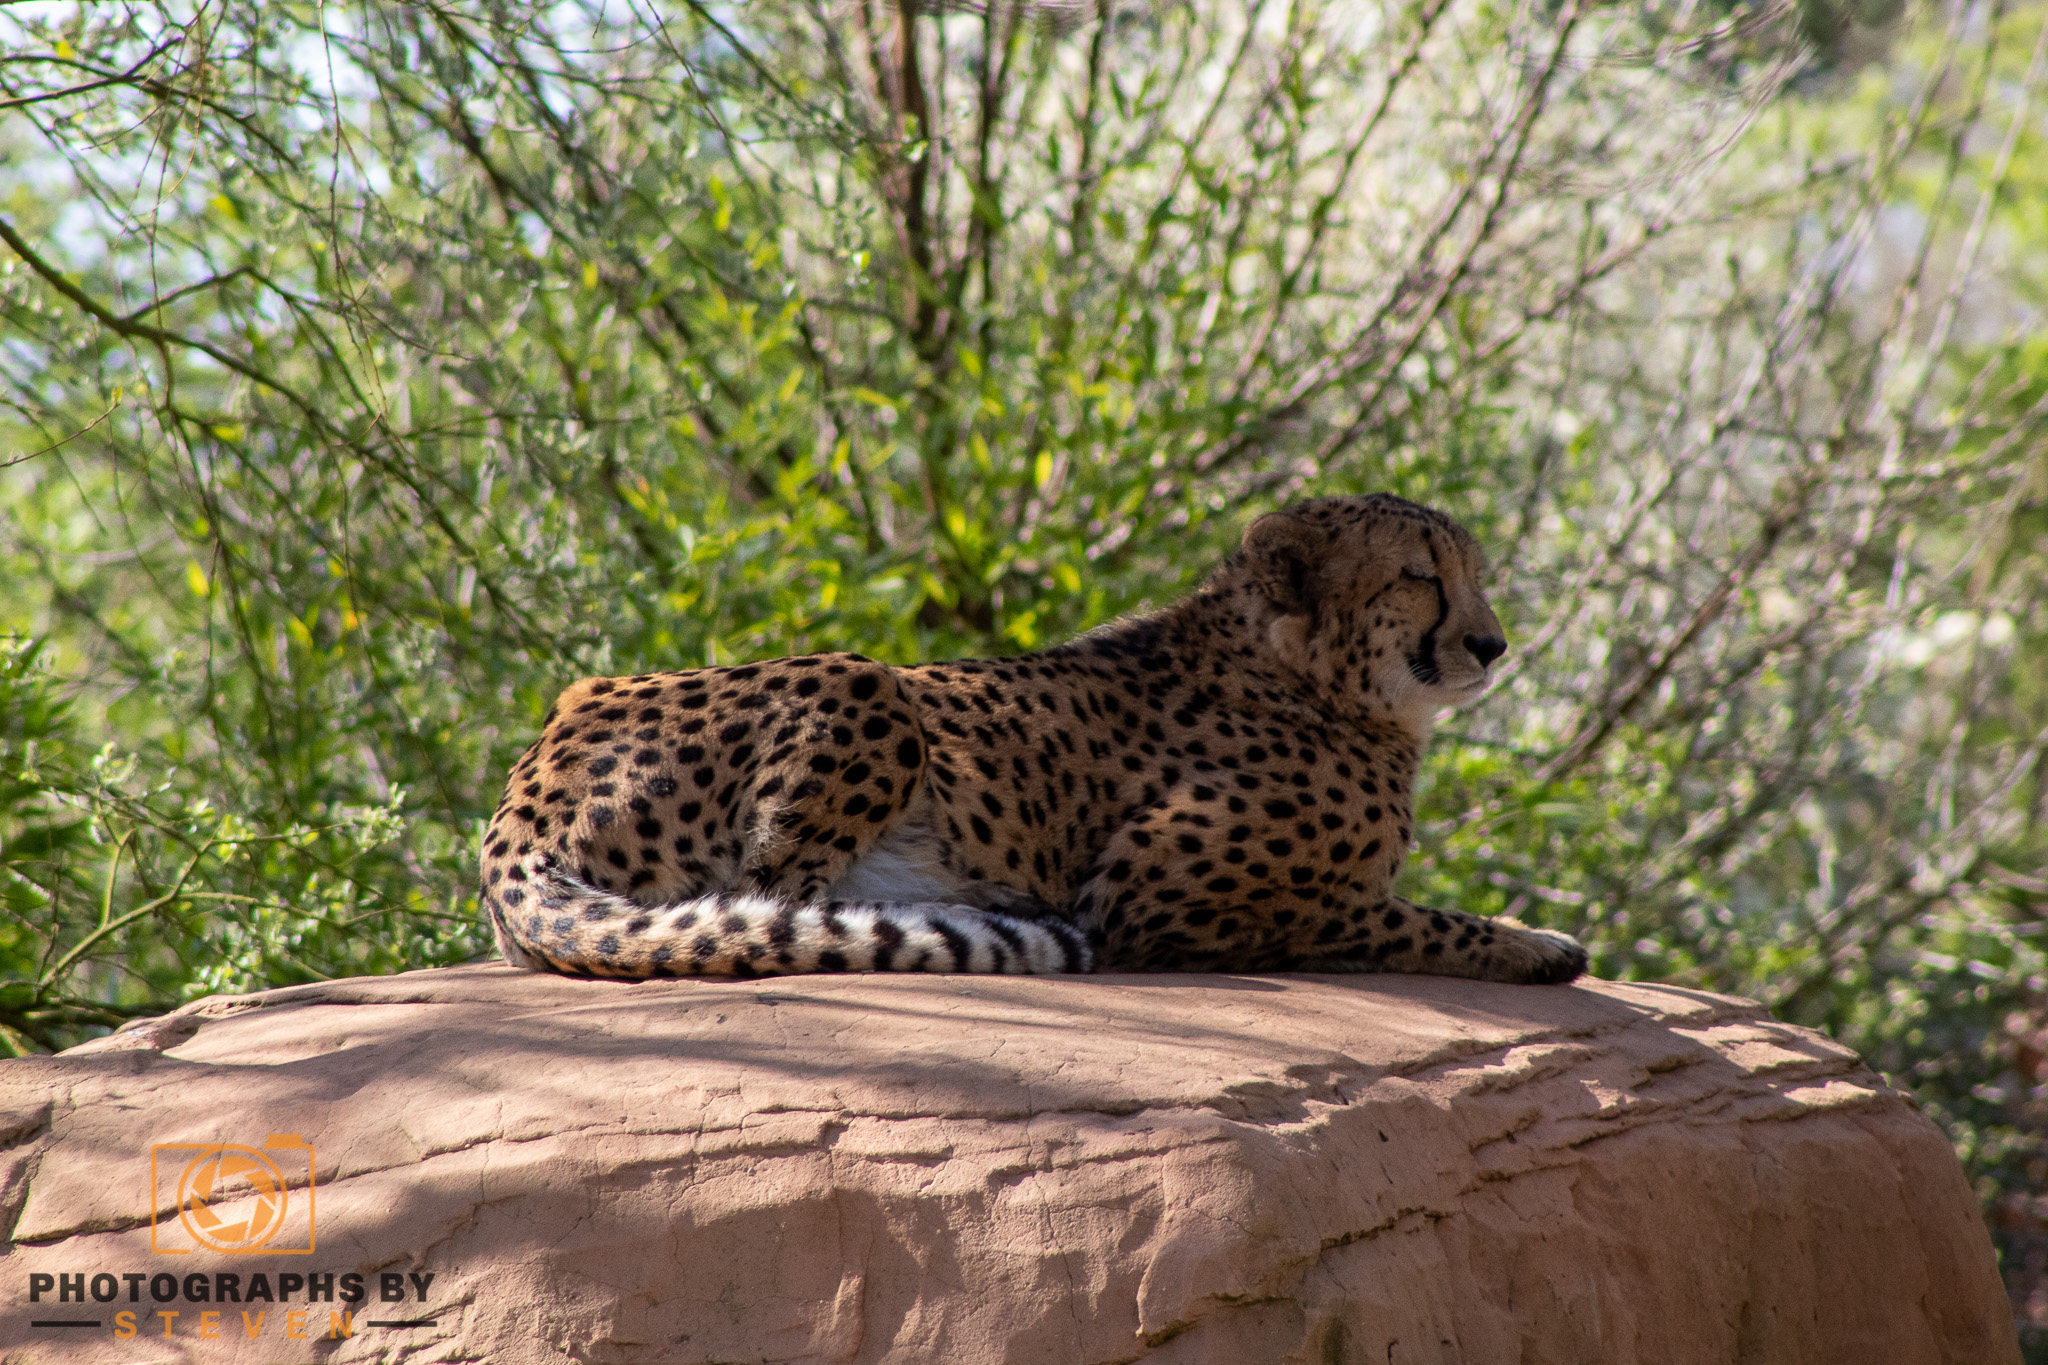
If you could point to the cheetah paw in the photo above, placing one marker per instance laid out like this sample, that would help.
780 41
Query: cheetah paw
1540 957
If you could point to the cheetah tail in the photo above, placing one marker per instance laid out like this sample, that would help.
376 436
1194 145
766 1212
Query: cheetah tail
560 924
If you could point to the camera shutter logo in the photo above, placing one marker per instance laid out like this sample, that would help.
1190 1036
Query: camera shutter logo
232 1199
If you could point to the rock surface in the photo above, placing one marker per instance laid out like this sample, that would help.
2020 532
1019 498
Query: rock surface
945 1169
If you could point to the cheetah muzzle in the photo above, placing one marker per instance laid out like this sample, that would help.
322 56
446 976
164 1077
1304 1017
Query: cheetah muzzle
1224 785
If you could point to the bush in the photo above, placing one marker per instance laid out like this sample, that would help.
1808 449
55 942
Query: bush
374 372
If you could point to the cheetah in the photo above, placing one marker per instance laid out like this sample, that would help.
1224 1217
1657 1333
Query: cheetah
1223 785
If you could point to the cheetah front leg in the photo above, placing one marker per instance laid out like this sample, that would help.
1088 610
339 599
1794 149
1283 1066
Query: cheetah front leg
1414 938
1264 889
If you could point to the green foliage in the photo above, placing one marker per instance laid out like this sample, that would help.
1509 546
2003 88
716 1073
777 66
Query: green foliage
117 895
367 374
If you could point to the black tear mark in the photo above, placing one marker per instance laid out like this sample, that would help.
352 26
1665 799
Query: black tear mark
1422 662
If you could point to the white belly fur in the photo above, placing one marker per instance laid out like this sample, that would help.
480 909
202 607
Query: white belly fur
902 869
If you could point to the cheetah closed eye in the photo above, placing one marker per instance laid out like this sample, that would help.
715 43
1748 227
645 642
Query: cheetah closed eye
1220 786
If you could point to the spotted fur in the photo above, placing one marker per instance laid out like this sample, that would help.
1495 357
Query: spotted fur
1224 785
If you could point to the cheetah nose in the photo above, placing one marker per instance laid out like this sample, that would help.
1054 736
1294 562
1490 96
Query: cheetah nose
1486 648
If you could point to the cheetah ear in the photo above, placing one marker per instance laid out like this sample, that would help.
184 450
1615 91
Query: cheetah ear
1282 554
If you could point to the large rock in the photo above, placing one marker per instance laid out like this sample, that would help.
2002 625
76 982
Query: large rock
946 1169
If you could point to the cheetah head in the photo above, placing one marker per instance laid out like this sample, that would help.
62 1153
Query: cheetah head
1375 601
